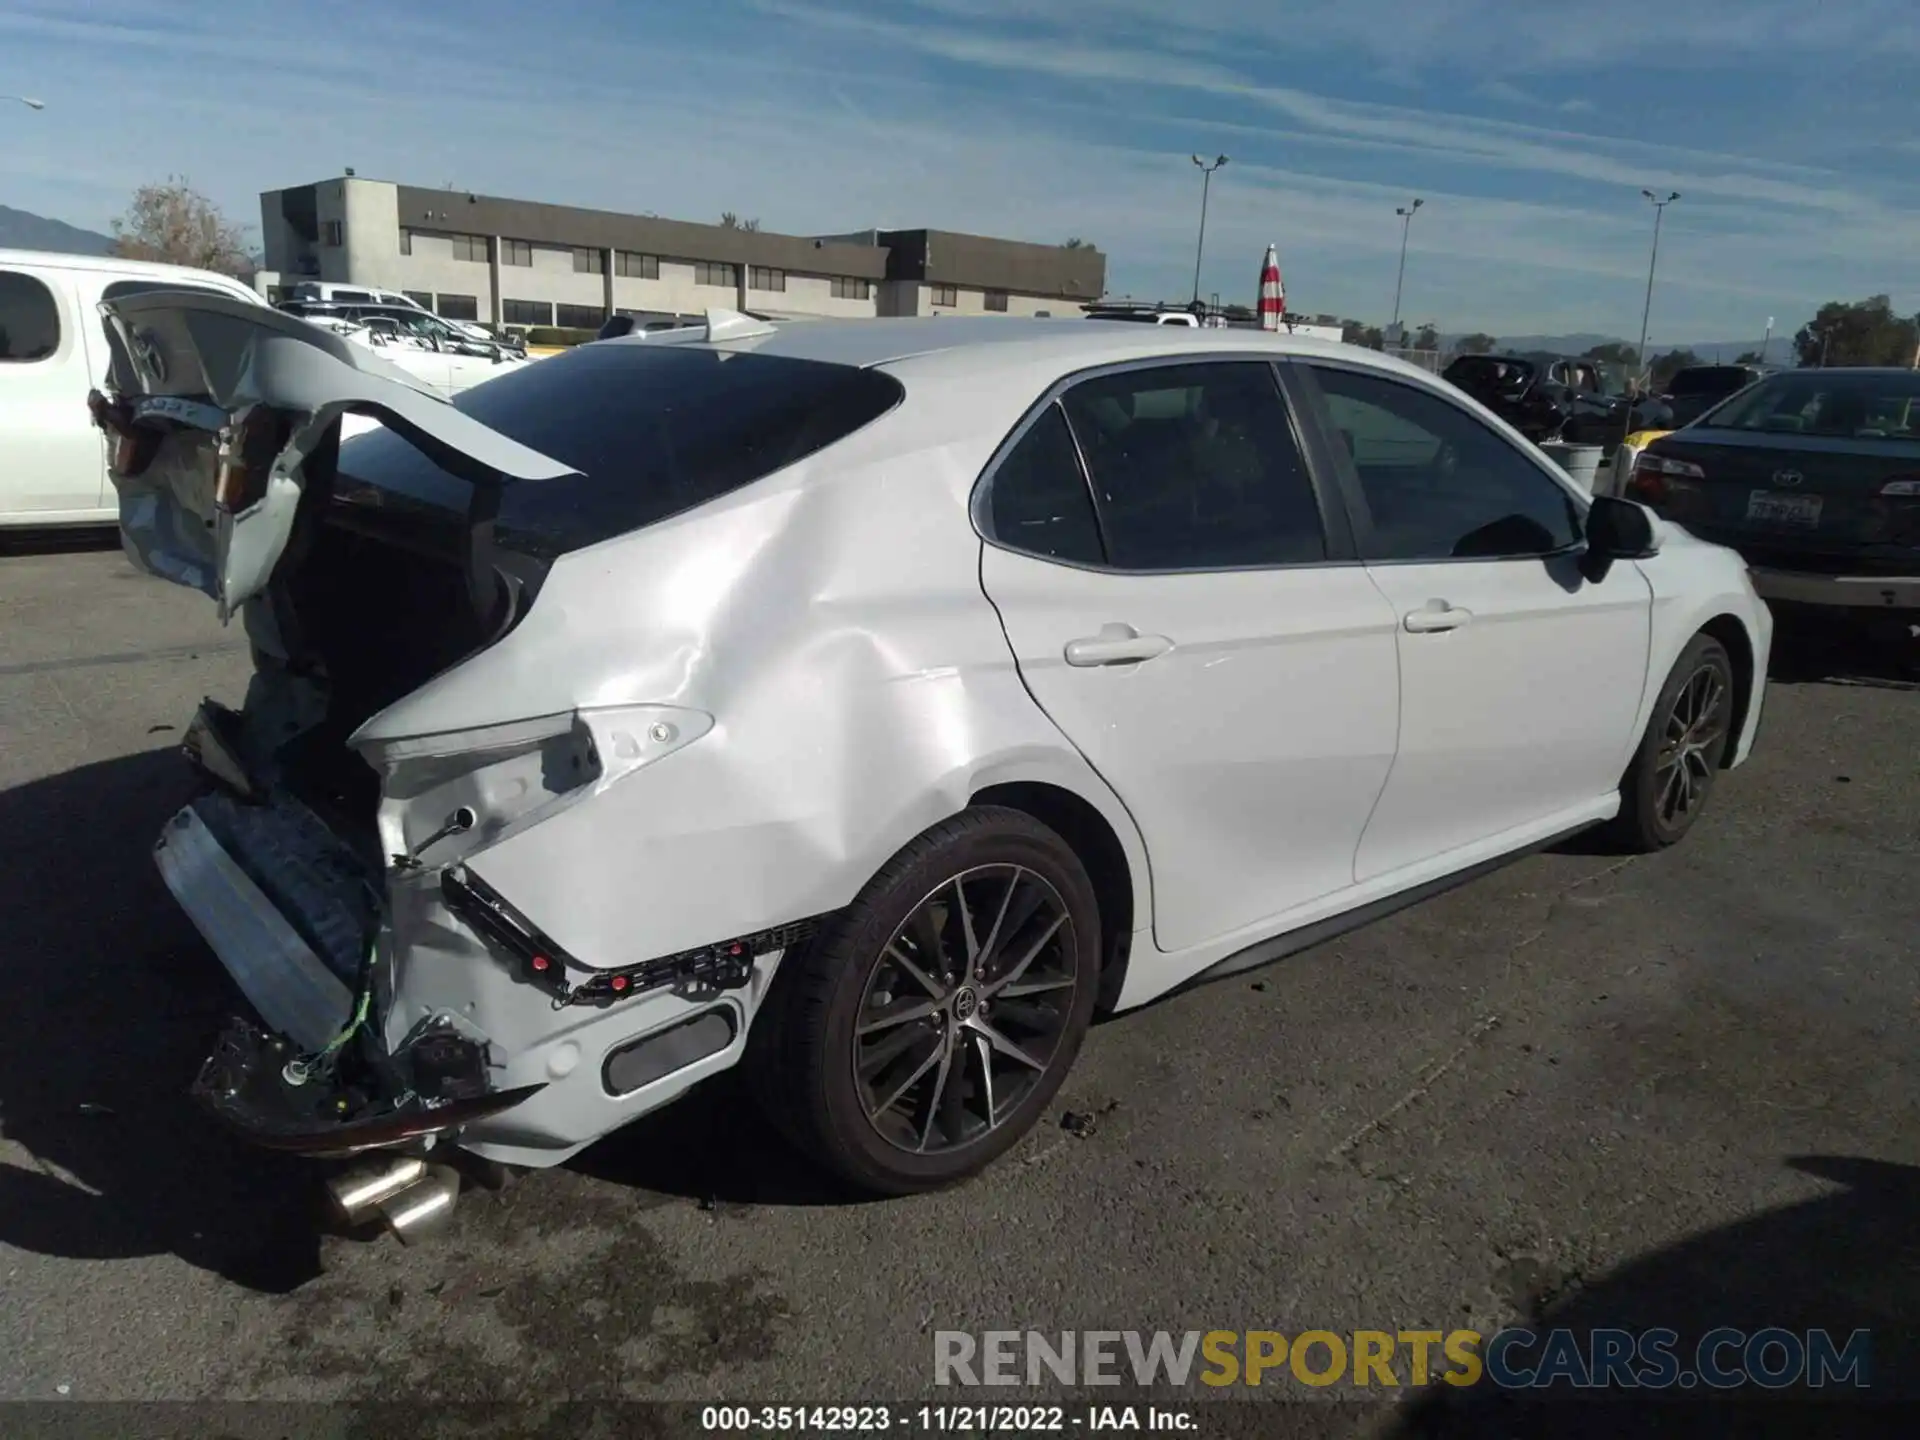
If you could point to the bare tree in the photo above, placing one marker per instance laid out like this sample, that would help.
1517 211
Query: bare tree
731 221
1076 243
175 223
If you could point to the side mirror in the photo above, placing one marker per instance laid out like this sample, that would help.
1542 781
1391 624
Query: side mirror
1616 530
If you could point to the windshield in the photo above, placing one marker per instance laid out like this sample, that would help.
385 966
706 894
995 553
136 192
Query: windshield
1488 375
653 431
1857 404
1711 380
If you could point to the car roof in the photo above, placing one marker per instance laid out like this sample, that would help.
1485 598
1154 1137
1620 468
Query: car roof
115 265
965 343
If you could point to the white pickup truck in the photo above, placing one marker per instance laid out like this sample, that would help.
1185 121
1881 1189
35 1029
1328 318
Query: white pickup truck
54 349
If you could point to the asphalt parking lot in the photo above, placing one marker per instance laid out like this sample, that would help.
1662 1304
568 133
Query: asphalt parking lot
1679 1090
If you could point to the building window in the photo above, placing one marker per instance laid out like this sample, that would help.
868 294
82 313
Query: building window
635 266
406 242
947 295
580 317
334 233
516 252
457 307
526 312
469 247
847 288
997 300
422 298
760 277
589 262
716 272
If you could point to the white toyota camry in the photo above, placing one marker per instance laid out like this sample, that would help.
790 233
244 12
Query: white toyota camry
863 703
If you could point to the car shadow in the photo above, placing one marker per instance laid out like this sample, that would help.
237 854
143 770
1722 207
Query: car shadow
1816 647
66 541
1840 1262
108 1000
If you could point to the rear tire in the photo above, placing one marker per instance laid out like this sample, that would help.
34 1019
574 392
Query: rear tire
921 1036
1673 772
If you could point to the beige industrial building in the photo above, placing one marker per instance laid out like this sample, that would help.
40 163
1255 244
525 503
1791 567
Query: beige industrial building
517 262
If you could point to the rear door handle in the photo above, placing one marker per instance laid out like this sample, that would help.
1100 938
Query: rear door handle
1116 645
1435 616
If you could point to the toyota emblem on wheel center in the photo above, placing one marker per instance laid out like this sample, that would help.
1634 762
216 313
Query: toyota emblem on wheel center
1787 477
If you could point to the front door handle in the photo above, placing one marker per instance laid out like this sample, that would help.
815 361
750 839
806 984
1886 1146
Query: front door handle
1435 616
1116 645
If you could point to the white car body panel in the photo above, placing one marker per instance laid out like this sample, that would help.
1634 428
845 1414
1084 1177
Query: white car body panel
1250 753
782 687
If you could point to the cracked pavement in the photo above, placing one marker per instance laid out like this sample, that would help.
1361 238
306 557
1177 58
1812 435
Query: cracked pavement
1583 1086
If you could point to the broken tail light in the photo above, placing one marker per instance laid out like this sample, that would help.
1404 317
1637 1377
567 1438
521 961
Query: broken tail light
724 965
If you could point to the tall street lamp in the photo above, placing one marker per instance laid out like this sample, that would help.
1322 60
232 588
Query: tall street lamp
1659 212
1200 248
1405 212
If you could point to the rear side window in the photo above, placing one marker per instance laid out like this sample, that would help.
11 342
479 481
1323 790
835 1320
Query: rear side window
29 319
1039 500
1195 467
652 431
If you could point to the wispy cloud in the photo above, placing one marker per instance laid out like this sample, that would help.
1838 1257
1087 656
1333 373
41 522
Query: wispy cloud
1001 117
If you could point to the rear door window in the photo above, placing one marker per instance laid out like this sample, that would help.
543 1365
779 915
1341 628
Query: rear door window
29 319
1195 467
652 431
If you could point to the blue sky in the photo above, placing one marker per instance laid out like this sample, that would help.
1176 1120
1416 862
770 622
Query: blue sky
1529 129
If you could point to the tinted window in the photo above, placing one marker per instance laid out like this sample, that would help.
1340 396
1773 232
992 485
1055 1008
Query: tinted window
1710 380
29 319
1855 404
1437 483
1488 375
1039 498
1196 467
652 431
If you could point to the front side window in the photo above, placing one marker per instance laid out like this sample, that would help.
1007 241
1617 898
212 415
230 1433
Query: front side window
1196 467
1038 499
1438 484
29 319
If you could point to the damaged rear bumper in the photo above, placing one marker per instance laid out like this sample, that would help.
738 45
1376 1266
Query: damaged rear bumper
314 1078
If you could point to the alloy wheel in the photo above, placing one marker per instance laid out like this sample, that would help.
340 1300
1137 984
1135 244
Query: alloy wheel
1690 746
965 1009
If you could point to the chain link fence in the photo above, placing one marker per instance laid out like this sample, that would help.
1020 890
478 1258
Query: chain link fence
1432 361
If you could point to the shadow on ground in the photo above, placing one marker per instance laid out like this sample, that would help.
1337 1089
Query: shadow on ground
1812 646
58 542
107 1001
1841 1262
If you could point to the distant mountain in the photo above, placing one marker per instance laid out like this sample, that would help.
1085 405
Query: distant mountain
22 231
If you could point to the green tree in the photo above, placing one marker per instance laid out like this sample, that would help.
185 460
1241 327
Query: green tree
1614 352
1427 338
1666 366
1747 357
1477 343
1356 333
1864 332
174 223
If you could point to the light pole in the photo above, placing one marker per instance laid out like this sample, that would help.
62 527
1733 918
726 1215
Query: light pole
27 101
1405 212
1200 249
1659 212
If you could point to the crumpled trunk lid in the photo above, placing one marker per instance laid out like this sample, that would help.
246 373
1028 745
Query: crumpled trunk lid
224 414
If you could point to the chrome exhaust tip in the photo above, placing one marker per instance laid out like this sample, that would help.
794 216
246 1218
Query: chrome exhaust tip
425 1206
363 1189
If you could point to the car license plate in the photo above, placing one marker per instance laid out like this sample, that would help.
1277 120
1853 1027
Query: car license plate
1776 509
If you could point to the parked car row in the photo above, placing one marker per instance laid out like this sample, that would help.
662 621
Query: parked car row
1548 400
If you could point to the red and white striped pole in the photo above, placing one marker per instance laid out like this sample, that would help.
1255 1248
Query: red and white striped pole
1273 295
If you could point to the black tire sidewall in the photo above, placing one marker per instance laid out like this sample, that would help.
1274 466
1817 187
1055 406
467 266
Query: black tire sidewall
1004 837
1644 798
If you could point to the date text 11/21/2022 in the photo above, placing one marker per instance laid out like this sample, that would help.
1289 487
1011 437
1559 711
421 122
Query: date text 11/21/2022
944 1419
